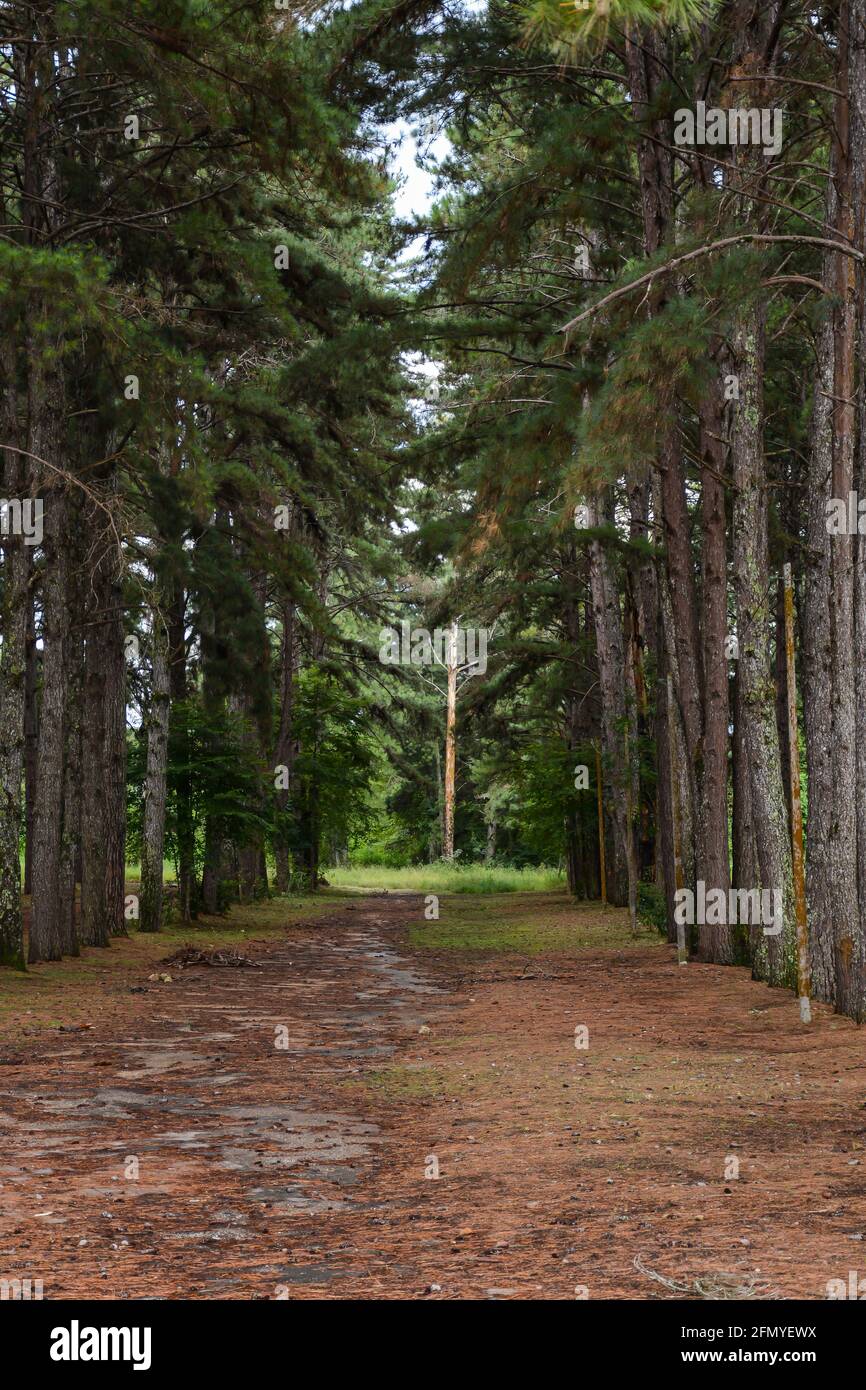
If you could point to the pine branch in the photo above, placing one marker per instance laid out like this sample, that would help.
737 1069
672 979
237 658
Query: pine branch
762 238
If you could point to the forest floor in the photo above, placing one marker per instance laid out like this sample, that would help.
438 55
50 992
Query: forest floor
269 1130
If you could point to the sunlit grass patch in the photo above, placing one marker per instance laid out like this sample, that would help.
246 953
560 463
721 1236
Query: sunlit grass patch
425 1083
449 878
410 1083
550 922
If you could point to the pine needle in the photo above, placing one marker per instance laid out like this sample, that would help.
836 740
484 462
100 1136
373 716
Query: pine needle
712 1286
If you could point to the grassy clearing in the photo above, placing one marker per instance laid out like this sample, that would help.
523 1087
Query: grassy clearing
550 922
449 878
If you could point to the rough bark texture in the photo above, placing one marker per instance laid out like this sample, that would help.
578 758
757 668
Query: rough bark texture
181 783
156 780
744 873
284 750
576 867
251 856
843 832
680 763
614 712
835 595
450 743
71 839
46 933
31 735
857 65
13 625
648 68
103 814
817 683
715 943
773 955
642 609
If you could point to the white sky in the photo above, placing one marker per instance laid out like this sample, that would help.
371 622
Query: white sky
415 194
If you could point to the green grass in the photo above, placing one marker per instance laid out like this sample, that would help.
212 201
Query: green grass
449 878
133 871
426 1083
553 922
413 1083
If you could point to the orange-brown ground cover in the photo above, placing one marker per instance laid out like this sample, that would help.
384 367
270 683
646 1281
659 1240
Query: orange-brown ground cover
265 1133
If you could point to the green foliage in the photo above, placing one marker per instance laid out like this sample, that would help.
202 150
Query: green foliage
335 766
212 769
574 23
652 907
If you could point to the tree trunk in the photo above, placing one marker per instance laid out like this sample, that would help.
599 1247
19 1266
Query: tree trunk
72 777
156 779
714 942
14 602
184 830
103 808
450 743
212 868
614 708
857 137
835 597
680 766
774 955
849 912
817 682
285 748
114 694
31 737
46 932
648 71
745 859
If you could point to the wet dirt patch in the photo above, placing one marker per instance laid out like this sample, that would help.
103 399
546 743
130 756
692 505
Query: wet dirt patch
254 1056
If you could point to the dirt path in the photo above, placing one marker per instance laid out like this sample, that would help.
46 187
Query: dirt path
270 1132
